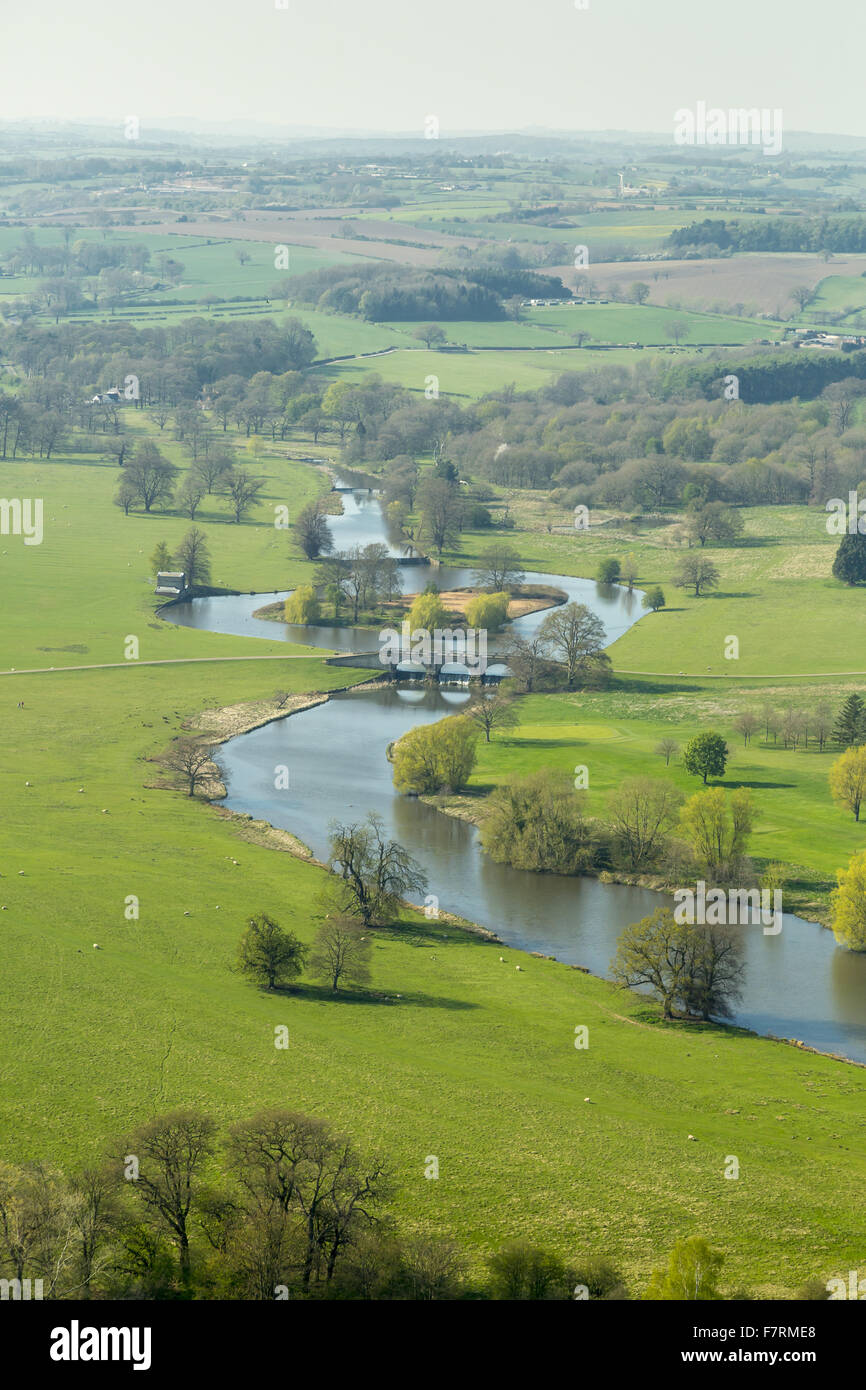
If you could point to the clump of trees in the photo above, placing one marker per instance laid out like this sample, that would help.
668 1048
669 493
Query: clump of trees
539 822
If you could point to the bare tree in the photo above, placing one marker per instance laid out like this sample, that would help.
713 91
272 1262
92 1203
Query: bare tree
494 712
341 952
242 489
170 1152
667 748
500 568
642 811
190 761
371 875
746 724
193 557
576 635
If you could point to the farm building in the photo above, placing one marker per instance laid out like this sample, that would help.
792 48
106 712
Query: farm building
172 583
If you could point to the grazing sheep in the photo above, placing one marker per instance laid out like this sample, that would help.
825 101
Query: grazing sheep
691 1136
518 967
96 946
502 958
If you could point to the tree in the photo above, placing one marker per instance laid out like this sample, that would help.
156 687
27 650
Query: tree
822 723
575 634
848 902
191 494
654 599
667 748
150 476
242 489
296 1165
676 329
160 560
521 1271
849 564
170 1151
268 954
441 507
639 292
629 572
499 569
371 875
430 333
802 295
642 811
494 712
713 521
301 606
126 496
706 755
341 952
718 828
435 757
431 1267
487 612
192 557
428 612
716 973
190 761
692 1274
850 726
695 571
655 952
212 467
312 532
746 724
847 779
526 660
539 823
608 571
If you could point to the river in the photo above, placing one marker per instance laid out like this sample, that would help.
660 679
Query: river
798 983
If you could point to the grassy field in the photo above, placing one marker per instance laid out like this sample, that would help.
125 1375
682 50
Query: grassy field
779 572
615 733
474 373
210 265
475 1063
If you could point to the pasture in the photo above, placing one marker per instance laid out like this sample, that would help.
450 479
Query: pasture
452 1052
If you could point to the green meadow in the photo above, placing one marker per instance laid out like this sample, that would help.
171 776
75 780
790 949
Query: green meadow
474 1061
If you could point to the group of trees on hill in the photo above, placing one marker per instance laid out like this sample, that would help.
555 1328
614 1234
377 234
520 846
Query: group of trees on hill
717 236
470 291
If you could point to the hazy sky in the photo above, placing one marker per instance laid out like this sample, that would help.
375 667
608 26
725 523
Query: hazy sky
475 64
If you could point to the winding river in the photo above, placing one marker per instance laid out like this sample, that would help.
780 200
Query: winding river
798 984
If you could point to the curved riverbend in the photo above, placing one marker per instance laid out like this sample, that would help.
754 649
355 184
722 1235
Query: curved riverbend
798 984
